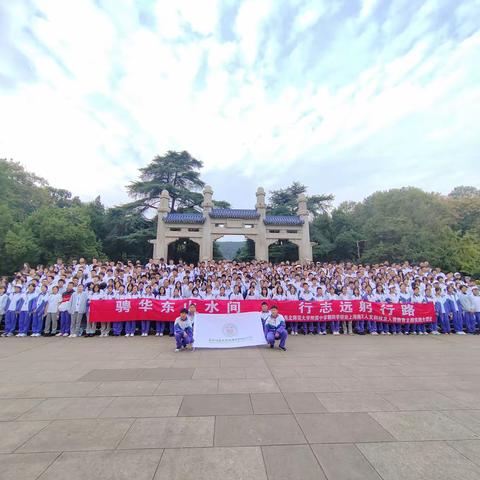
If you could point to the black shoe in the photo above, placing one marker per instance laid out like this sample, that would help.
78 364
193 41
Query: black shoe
271 345
282 348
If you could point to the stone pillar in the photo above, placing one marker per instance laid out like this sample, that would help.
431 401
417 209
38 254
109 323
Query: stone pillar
206 244
305 254
261 246
160 247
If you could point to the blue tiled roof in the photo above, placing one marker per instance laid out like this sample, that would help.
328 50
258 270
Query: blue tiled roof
184 218
283 220
234 213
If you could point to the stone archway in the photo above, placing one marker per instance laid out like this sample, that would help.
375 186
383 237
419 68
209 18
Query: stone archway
204 226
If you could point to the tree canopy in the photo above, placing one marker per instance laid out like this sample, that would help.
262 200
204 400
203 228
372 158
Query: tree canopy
176 172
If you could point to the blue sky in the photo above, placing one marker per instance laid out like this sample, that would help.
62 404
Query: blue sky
348 97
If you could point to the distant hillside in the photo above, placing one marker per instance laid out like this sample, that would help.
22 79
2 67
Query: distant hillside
229 249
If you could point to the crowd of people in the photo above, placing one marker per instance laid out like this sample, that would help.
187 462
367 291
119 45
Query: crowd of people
54 300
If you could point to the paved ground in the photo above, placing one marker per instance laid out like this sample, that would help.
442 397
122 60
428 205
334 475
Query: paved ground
342 408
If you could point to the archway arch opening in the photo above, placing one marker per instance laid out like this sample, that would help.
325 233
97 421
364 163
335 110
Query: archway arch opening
184 250
282 251
234 247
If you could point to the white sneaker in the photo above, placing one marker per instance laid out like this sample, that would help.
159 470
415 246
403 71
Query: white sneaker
435 332
336 333
65 335
161 334
157 334
18 335
374 333
177 349
460 333
59 334
9 334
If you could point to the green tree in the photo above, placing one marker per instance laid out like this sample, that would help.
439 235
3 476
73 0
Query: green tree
284 201
176 172
246 253
127 235
465 192
221 204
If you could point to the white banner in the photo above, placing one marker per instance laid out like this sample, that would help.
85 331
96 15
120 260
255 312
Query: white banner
228 330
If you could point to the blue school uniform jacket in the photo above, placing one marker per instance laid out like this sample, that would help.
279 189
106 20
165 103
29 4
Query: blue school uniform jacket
275 324
183 326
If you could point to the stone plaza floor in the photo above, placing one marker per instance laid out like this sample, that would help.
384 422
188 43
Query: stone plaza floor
341 408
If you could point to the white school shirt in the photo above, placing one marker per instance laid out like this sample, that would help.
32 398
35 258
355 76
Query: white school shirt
306 296
476 302
96 295
3 303
235 296
53 300
26 300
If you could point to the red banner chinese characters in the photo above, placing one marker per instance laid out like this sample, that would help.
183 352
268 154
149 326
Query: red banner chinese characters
293 311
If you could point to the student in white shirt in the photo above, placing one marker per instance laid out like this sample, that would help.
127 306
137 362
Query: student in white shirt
51 320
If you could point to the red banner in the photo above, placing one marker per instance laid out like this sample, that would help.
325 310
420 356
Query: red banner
293 311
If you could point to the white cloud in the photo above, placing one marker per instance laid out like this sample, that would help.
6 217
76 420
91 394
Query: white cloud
283 97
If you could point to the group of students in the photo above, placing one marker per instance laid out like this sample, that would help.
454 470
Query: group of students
55 300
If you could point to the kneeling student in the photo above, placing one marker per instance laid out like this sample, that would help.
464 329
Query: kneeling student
183 331
275 328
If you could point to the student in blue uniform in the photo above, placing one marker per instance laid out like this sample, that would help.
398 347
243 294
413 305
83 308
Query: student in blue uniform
379 296
441 311
392 297
306 295
39 312
264 314
291 294
453 310
368 297
14 304
26 311
183 331
321 326
64 309
160 326
145 324
275 329
429 298
418 298
118 326
3 303
360 324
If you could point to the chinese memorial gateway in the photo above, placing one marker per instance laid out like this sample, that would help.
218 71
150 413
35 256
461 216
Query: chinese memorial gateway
204 227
